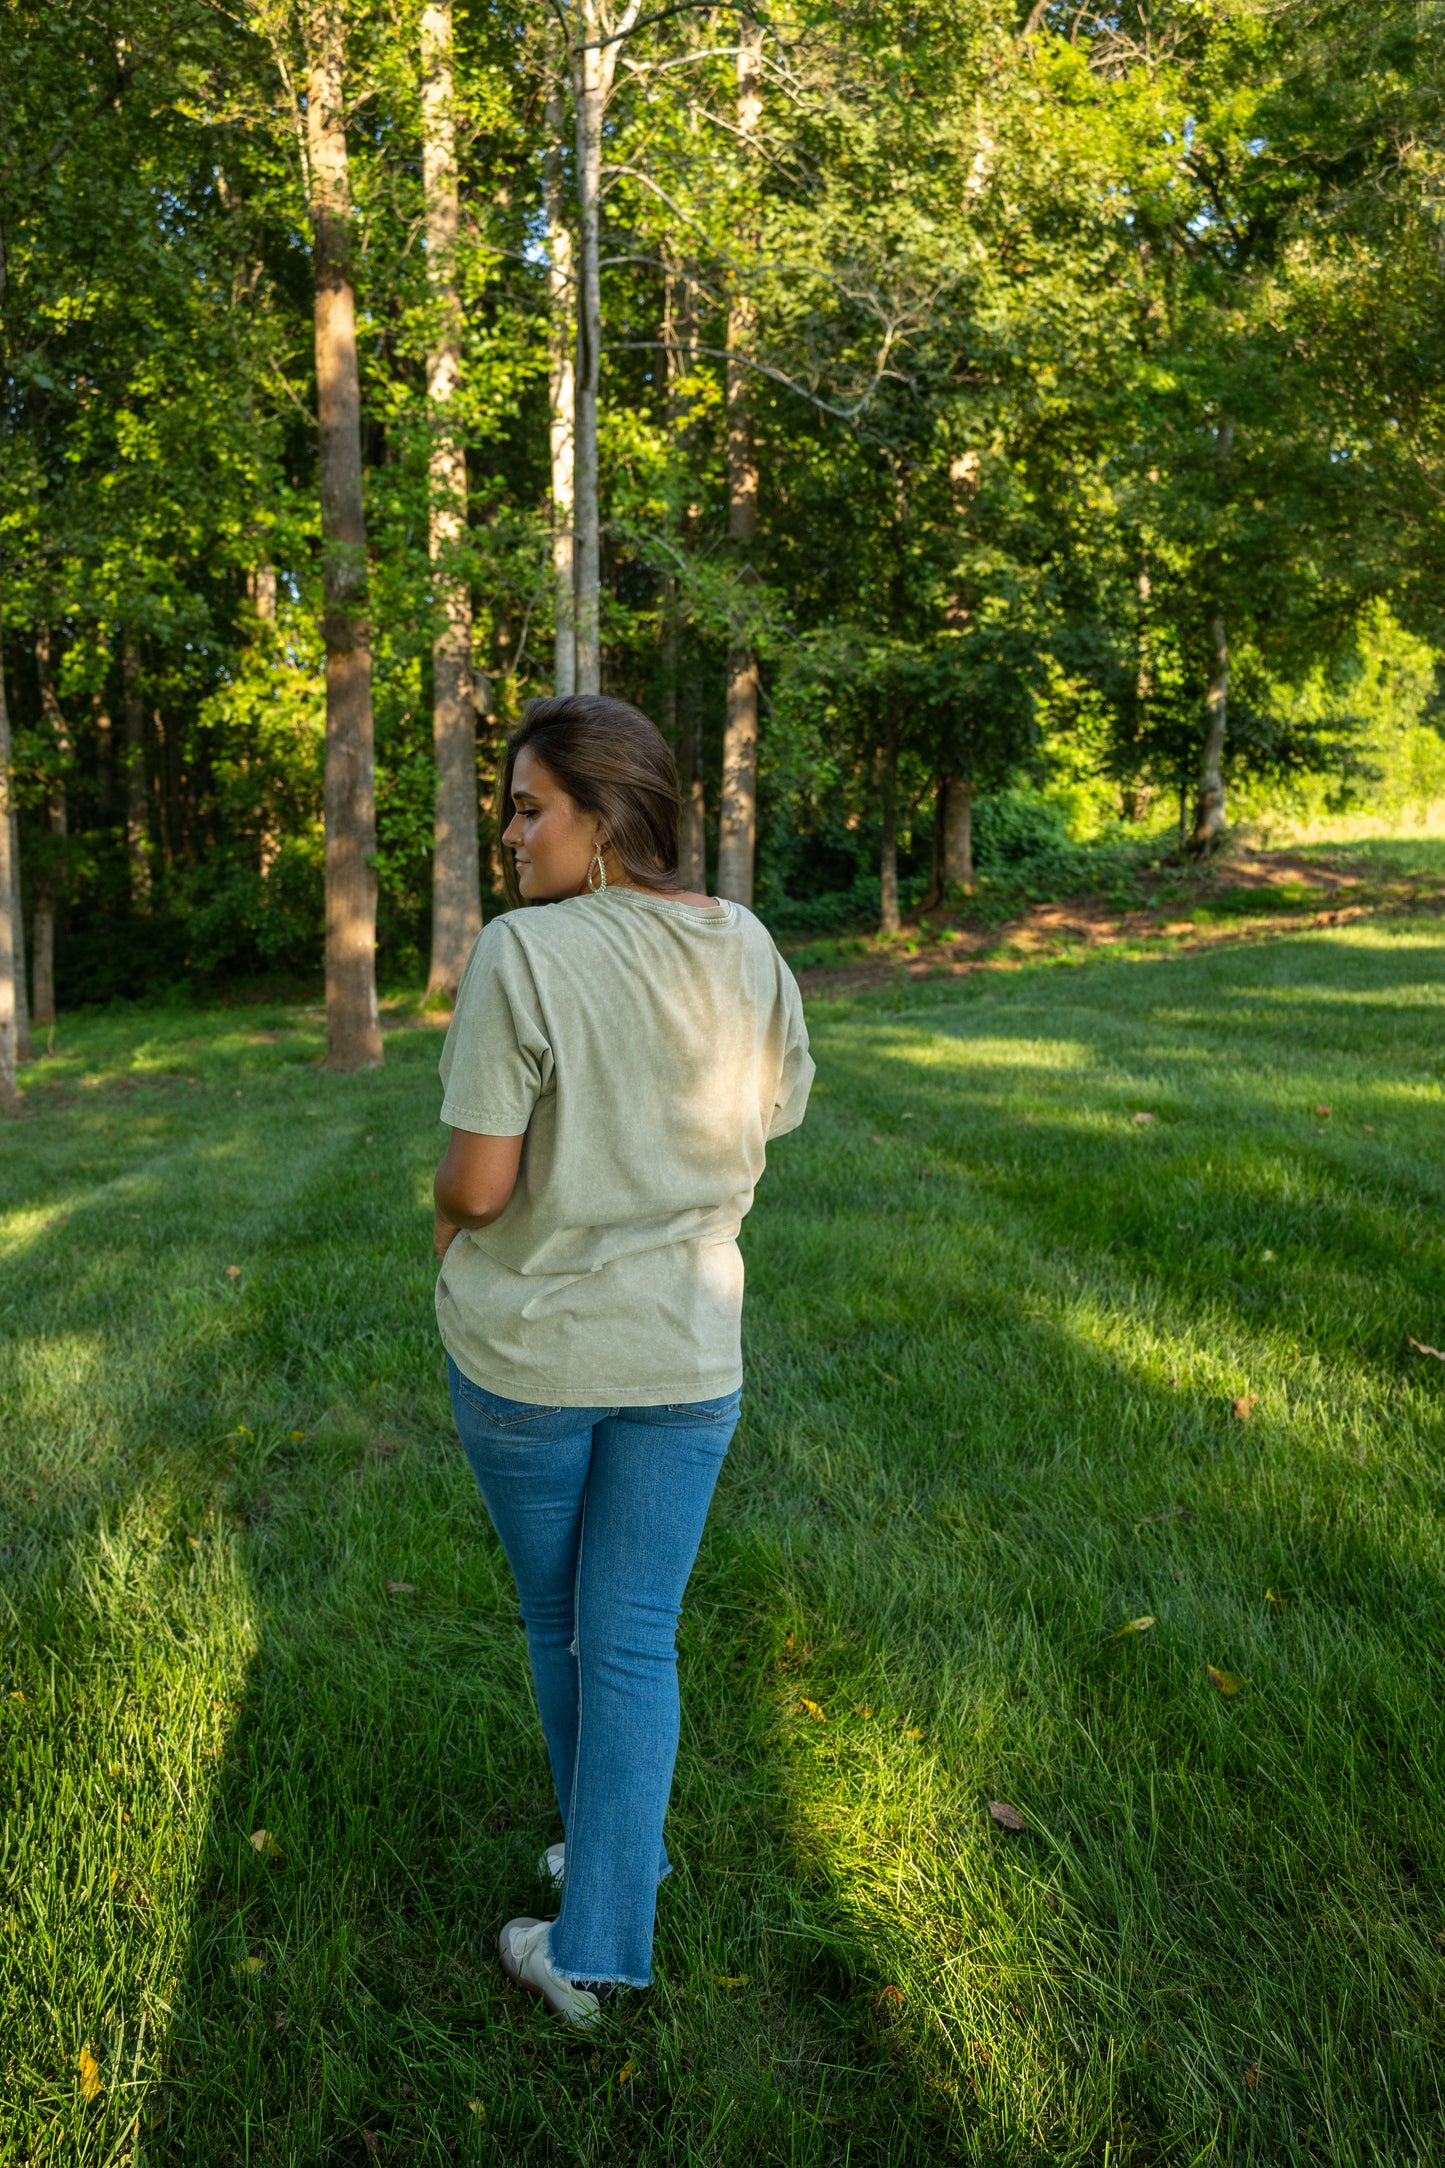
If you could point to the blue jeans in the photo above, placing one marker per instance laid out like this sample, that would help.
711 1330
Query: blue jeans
600 1512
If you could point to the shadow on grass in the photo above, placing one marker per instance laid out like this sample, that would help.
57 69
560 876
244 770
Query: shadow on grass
1215 1936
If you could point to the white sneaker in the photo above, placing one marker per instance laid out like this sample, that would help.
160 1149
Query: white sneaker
526 1958
552 1864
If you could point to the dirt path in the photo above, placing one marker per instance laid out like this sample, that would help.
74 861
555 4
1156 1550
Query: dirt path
1248 896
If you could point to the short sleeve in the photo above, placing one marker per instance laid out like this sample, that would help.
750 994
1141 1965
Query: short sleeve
496 1063
796 1077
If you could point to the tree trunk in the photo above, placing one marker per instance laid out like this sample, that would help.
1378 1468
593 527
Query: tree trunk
456 867
561 389
12 939
958 832
738 815
679 334
353 1027
888 919
692 839
104 761
1209 823
137 814
44 1005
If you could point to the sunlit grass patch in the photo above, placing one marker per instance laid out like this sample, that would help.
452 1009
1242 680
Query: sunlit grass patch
1000 1332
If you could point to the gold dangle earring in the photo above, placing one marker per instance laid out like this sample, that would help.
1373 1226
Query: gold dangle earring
598 867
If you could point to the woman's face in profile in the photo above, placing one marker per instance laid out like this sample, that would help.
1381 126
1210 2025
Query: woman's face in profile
550 836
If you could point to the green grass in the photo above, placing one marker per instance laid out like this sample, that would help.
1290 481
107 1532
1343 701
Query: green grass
996 1328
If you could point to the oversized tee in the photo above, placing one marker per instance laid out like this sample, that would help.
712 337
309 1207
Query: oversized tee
649 1050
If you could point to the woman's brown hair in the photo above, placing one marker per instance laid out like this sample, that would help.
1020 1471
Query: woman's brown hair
611 761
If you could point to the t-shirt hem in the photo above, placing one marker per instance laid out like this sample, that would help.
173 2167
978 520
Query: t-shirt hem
493 1123
539 1392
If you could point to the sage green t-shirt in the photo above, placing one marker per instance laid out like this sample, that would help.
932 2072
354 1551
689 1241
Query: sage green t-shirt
649 1050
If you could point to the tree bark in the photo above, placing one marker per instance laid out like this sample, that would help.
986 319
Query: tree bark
12 939
1209 822
104 761
353 1027
137 813
958 832
692 837
888 918
561 389
738 814
594 63
456 865
1209 815
45 894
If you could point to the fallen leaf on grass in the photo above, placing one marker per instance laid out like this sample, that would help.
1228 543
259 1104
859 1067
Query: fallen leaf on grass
478 2109
1322 1110
1006 1816
628 2071
812 1709
887 2003
90 2084
1226 1681
1136 1626
1251 2076
401 1588
730 1980
1143 1121
372 2143
1245 1406
1438 1353
233 1272
1282 1601
249 1967
261 1840
872 1139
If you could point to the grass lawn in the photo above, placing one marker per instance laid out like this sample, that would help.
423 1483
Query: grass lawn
998 1325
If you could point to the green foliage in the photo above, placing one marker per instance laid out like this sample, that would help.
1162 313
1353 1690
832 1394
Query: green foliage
1058 345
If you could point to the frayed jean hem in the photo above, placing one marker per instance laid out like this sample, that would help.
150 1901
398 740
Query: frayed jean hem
599 1979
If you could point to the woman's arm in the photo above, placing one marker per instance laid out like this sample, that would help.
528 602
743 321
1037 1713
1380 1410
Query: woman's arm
474 1183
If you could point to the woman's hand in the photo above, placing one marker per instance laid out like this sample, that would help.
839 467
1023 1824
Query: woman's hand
444 1234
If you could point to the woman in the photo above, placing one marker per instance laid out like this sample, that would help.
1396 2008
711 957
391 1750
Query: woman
614 1069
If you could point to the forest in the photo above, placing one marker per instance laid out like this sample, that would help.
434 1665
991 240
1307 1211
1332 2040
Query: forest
954 421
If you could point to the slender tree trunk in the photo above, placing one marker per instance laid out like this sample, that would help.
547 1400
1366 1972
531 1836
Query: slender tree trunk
594 63
1209 822
456 866
561 388
45 895
261 589
738 816
17 922
353 1027
137 811
958 832
888 918
692 853
12 938
1209 817
679 333
104 761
